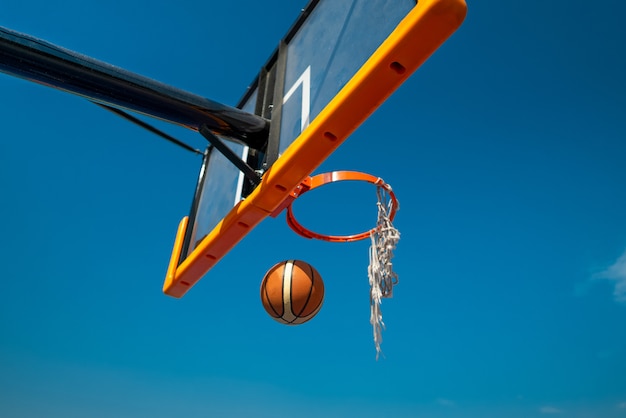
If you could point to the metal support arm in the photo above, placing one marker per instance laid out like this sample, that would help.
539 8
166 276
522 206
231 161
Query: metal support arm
232 157
39 61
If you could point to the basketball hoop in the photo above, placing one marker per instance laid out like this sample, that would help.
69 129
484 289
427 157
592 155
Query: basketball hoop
332 177
384 237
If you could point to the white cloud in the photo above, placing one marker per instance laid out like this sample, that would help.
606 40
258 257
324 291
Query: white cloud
550 410
617 274
445 402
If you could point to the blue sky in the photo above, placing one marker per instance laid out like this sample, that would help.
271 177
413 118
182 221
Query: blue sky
507 150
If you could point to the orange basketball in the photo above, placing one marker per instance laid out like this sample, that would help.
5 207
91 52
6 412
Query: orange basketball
292 292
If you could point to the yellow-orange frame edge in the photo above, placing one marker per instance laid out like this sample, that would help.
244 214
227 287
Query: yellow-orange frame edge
416 38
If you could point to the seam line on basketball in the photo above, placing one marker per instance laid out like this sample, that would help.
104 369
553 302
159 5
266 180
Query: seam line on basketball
269 301
310 291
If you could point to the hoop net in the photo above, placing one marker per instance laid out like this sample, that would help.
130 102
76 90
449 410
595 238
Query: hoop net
382 278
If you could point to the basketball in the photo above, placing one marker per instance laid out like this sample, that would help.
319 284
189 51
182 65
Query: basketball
292 292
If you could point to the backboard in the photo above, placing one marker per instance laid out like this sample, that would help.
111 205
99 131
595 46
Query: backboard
336 65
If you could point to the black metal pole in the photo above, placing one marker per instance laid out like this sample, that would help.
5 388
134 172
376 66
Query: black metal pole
39 61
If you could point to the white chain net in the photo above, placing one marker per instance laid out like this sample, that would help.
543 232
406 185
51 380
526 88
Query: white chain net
382 278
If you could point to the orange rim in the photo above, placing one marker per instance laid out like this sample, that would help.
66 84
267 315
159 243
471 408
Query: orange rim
332 177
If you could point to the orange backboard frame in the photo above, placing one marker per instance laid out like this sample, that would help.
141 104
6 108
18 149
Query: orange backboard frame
414 40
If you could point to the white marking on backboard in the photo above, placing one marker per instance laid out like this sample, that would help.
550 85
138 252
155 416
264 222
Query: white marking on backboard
239 191
305 81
